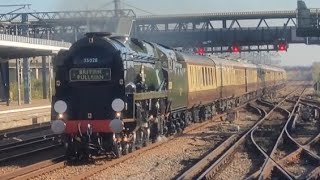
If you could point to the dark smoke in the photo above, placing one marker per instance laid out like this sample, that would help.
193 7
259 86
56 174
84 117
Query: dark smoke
109 25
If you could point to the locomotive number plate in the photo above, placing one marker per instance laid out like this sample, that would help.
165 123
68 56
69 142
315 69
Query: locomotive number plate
90 74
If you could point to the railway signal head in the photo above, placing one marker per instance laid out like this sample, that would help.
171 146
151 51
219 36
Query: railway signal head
200 51
282 46
235 48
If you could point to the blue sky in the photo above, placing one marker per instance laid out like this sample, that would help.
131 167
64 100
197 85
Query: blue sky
296 55
172 6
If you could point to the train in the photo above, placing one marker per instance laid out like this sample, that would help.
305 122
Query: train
115 94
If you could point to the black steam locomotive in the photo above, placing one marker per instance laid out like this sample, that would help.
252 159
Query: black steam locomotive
115 93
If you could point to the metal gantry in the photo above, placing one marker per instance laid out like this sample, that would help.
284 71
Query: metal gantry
64 25
254 31
308 21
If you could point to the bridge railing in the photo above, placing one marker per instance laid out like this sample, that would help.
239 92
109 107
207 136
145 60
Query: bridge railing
224 14
23 39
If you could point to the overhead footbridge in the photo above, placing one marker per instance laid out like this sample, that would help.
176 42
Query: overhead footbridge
13 47
20 47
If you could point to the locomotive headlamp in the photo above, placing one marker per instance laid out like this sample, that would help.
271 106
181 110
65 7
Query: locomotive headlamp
58 126
118 114
60 106
116 125
58 83
117 105
60 116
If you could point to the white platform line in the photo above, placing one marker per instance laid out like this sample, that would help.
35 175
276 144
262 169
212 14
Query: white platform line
25 109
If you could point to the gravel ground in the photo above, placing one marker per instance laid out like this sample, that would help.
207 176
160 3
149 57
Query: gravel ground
166 161
12 165
288 106
263 106
300 169
305 131
280 154
315 148
303 140
29 160
267 133
243 164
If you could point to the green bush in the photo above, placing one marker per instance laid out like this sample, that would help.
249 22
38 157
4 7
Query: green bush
36 90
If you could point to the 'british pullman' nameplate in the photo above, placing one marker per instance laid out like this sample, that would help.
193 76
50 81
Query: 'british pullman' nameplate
90 74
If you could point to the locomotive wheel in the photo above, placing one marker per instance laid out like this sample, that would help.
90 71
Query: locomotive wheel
131 147
117 149
125 149
146 137
132 143
145 143
179 130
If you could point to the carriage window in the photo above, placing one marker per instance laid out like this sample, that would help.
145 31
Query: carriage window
203 77
210 76
200 76
191 76
213 77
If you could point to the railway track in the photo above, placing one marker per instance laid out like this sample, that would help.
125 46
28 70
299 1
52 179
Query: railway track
274 166
209 171
45 167
302 162
32 146
219 155
37 170
24 130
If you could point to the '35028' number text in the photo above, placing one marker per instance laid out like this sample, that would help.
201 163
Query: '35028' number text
90 60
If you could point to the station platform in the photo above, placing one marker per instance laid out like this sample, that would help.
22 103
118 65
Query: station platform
15 116
15 106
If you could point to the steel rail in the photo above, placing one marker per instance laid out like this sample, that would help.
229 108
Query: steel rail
270 162
303 148
30 170
41 168
192 172
26 153
143 150
29 173
24 130
27 142
217 163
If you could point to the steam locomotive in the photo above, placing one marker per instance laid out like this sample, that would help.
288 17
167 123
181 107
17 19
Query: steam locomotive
115 93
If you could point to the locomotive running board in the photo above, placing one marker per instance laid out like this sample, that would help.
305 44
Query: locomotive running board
150 95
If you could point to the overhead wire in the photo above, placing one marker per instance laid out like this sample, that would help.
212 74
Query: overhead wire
145 11
105 5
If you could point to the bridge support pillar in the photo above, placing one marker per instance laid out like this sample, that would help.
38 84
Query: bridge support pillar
50 76
44 77
224 24
4 68
18 80
26 81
